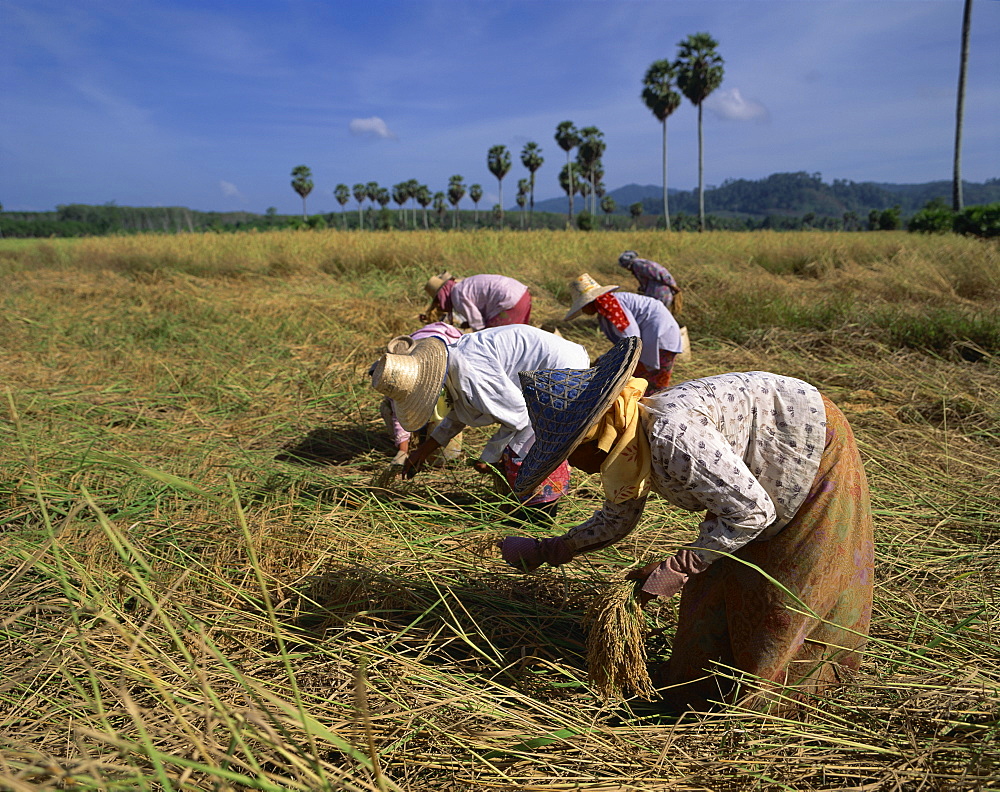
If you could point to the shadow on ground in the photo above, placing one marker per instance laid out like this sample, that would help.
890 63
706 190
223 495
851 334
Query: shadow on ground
335 446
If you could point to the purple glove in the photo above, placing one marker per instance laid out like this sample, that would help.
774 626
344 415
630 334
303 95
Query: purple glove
523 552
669 577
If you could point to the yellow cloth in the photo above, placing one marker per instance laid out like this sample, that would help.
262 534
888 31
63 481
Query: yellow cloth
441 408
619 432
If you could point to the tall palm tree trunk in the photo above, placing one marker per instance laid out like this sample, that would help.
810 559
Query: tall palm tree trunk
956 187
569 172
701 173
666 211
531 205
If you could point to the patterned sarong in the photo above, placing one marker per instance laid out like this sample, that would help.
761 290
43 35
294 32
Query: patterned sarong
658 379
554 487
731 614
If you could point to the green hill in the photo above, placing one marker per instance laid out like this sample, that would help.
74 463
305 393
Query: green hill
790 194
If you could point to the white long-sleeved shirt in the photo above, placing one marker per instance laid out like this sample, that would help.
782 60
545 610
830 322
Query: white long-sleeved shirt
650 320
743 447
479 298
484 388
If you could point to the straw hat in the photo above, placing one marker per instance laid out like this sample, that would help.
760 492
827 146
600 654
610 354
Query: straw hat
585 290
400 345
433 286
564 403
413 380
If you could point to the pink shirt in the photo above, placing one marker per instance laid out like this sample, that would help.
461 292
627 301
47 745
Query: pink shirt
479 298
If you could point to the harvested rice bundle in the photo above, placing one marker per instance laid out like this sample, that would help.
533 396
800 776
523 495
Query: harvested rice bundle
616 644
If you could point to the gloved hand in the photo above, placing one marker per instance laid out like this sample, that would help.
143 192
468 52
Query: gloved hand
666 578
523 552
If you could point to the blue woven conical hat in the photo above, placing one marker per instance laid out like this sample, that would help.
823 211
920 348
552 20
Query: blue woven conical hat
564 403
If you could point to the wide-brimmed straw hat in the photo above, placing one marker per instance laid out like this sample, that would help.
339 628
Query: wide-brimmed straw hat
413 380
434 284
585 290
564 403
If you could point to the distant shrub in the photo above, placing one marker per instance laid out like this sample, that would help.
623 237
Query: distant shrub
934 218
585 221
980 221
885 220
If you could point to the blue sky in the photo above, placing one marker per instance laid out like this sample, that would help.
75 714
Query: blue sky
210 104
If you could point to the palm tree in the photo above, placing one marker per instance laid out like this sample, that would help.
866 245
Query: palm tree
498 161
699 72
360 192
636 211
588 156
568 139
956 185
660 97
531 158
383 197
422 195
412 187
401 194
343 194
570 181
456 192
440 207
523 188
476 194
302 184
608 206
371 191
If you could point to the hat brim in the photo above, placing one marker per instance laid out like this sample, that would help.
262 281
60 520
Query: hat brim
399 345
415 409
582 301
433 286
607 379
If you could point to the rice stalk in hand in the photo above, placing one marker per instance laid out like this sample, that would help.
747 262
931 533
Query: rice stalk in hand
616 644
383 479
485 545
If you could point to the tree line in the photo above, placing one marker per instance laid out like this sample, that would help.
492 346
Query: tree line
697 71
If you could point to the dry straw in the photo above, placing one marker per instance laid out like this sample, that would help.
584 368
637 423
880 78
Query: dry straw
616 644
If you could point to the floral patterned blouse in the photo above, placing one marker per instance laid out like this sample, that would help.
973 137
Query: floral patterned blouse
654 280
742 447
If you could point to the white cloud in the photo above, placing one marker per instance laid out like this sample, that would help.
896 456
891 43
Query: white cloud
729 103
230 190
371 127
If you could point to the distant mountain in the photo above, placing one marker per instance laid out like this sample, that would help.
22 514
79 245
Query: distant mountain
788 194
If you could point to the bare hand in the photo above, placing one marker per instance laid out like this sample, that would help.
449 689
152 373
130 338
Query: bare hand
481 467
413 463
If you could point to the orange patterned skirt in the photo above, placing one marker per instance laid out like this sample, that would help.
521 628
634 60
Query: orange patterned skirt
734 622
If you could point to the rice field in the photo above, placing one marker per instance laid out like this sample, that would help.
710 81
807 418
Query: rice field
203 585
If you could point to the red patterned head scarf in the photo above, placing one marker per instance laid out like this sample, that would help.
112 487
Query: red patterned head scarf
609 307
443 296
